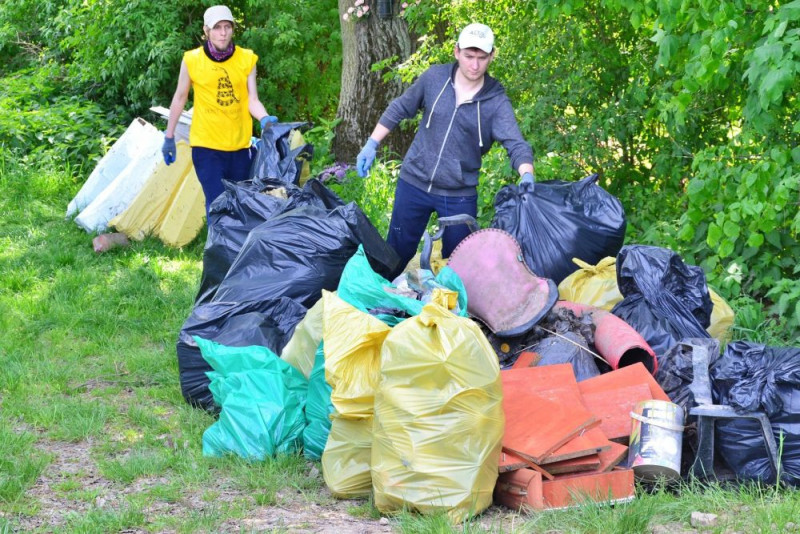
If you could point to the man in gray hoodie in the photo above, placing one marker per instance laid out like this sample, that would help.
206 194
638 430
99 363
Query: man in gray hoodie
464 112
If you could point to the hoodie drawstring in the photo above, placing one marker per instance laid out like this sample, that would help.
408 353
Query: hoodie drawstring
428 124
480 137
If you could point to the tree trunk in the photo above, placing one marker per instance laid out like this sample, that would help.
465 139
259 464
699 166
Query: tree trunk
364 95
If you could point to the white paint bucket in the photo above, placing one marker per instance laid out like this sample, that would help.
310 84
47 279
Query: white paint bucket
656 440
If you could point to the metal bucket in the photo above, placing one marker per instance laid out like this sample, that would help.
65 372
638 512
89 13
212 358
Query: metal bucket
656 440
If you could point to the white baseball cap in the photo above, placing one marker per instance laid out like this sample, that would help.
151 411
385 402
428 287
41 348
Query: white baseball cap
215 14
477 36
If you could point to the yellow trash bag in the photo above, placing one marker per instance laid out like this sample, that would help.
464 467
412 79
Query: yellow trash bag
596 285
346 458
722 317
352 347
438 417
593 285
301 349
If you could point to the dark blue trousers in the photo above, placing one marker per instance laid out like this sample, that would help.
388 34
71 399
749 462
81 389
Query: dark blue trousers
213 166
412 210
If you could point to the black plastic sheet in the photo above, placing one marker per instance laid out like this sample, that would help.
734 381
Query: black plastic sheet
665 300
266 323
555 221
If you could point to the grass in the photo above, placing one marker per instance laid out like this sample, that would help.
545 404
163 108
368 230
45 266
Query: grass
90 399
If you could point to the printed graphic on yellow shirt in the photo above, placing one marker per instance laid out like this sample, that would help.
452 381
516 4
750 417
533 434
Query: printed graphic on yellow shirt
226 96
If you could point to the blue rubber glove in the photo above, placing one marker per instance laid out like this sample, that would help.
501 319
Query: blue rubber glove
268 119
527 178
366 157
169 150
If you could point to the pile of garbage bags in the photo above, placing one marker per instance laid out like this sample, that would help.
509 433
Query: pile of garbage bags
300 342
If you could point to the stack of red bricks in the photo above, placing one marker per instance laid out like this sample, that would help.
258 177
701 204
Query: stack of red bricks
564 440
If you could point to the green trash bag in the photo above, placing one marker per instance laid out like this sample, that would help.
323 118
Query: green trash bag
368 291
262 400
318 410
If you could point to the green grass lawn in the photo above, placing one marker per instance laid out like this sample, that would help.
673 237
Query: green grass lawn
96 437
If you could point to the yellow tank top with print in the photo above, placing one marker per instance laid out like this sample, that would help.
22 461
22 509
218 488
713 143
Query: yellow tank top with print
221 118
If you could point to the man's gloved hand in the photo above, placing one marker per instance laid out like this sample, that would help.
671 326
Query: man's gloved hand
366 157
169 150
527 178
268 119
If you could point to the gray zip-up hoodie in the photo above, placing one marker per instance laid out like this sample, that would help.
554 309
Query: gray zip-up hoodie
445 156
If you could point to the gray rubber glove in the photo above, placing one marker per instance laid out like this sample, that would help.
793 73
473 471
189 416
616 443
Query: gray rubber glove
169 150
366 157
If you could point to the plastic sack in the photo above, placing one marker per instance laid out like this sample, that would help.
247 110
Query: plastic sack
281 155
353 341
269 324
594 285
233 214
301 350
262 399
755 377
296 254
665 300
555 221
439 417
346 460
370 292
722 318
318 410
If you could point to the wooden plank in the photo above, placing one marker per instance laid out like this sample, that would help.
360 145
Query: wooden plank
527 359
613 408
520 490
575 465
537 425
612 457
520 462
592 441
624 376
574 490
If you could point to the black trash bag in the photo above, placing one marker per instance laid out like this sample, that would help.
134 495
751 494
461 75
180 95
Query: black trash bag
665 300
676 372
266 323
245 205
295 255
232 215
569 347
753 377
555 221
275 160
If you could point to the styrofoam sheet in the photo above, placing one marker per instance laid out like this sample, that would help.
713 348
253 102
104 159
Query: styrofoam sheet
136 139
119 194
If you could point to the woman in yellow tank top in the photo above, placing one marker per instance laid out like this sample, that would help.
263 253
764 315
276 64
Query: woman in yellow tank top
223 78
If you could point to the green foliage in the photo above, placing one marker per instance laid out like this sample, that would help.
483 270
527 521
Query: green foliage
38 120
125 55
689 112
300 59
